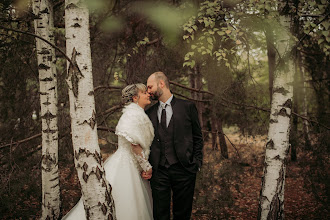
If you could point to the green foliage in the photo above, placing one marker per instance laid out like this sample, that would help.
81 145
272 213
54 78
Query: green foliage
167 18
315 16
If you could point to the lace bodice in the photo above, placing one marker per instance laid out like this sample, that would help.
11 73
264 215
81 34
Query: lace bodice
125 152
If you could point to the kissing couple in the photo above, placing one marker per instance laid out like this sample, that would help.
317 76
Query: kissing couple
159 153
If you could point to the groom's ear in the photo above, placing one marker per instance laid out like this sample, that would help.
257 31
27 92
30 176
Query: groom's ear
161 83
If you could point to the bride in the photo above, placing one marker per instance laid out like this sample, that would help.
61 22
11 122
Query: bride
131 193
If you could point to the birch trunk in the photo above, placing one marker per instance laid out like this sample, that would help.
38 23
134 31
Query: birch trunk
43 25
271 204
95 188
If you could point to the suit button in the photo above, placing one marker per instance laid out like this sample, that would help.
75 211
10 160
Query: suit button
158 140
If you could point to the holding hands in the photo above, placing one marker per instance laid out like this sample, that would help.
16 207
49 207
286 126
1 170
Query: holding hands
146 174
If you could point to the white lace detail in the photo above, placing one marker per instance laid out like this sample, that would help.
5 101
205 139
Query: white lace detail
143 161
126 136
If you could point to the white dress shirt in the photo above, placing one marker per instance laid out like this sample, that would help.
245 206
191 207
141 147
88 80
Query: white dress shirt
168 109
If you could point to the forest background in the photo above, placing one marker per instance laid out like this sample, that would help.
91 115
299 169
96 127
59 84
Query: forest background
223 55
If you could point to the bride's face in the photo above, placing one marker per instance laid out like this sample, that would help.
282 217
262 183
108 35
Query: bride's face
143 99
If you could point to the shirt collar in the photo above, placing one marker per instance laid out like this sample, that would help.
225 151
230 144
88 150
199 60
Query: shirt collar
168 102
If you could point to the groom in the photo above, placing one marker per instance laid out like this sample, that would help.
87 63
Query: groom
176 151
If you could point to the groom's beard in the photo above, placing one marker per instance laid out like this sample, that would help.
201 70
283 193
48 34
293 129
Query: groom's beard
158 93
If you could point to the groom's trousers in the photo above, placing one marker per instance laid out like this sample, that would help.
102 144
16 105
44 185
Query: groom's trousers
179 182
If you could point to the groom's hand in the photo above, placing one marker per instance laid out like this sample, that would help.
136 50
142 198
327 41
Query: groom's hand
146 174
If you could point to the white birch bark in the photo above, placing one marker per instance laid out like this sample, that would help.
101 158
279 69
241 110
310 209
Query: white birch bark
44 25
271 204
96 191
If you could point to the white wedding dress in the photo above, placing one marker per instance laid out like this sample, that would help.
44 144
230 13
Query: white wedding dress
130 192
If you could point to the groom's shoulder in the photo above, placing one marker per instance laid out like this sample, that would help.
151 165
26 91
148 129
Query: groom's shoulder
184 102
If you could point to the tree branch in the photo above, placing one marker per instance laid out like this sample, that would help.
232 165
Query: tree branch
21 141
218 132
192 89
186 97
34 35
108 87
267 110
111 110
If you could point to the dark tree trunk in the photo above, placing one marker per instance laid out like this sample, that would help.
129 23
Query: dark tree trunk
199 85
271 58
304 105
222 140
294 129
214 130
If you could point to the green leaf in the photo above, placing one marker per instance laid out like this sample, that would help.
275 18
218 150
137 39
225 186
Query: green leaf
192 63
190 30
193 46
209 39
325 33
325 25
221 33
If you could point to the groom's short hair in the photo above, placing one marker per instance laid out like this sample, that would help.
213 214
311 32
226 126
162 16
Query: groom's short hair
161 76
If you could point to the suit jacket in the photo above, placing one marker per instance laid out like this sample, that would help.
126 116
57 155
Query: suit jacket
187 138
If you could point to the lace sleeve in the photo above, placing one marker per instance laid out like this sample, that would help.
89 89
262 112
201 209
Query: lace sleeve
144 163
140 157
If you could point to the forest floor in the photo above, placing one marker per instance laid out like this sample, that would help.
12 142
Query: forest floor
235 184
225 188
230 188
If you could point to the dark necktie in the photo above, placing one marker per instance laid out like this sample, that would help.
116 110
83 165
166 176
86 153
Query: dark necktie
163 117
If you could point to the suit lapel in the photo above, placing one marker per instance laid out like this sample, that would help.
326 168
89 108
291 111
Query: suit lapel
174 116
154 118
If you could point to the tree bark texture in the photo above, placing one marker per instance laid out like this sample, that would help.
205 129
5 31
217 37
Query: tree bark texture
44 25
294 130
304 105
271 204
199 96
271 54
96 191
222 139
213 122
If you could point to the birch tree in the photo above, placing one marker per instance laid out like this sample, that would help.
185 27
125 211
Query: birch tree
96 191
44 24
271 204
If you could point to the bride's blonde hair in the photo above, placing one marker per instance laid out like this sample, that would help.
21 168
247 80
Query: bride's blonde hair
130 91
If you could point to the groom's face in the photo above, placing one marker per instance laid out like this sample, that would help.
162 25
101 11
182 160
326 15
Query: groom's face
153 88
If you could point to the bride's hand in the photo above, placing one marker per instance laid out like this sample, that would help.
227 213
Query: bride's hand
146 174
